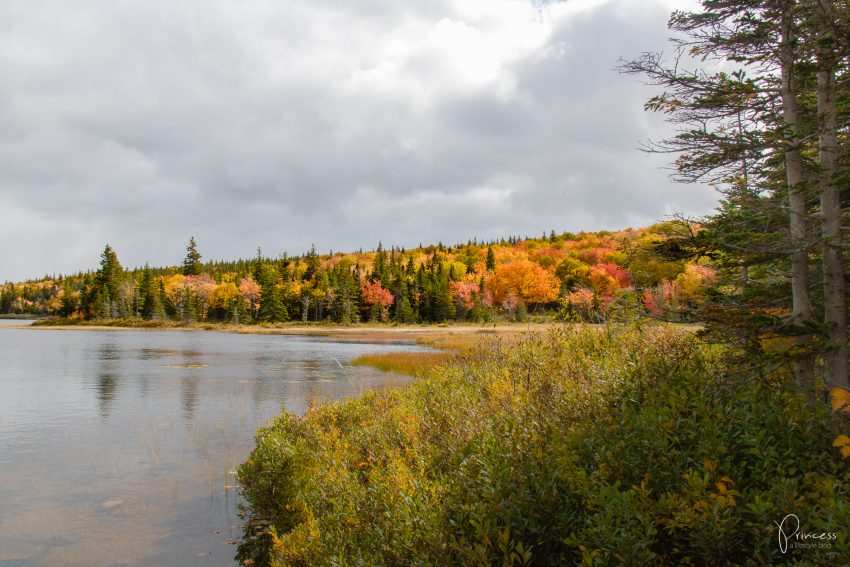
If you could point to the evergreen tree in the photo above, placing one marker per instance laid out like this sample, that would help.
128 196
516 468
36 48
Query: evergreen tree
344 308
404 312
313 264
151 306
192 262
70 300
491 259
756 130
443 305
380 271
100 296
168 308
272 309
7 297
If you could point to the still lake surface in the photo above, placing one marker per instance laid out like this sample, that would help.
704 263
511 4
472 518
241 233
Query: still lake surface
119 447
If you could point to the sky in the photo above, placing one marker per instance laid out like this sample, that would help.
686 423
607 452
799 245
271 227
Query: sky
247 123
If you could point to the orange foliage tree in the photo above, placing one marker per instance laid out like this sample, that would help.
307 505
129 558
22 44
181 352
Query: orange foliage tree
526 280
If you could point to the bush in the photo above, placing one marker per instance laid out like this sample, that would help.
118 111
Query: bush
620 445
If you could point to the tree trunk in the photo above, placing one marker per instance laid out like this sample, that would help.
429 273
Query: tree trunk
834 296
801 314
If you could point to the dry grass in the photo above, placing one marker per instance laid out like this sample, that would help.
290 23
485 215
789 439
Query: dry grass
450 342
464 342
411 363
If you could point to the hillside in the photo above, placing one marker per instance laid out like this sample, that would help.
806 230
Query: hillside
585 275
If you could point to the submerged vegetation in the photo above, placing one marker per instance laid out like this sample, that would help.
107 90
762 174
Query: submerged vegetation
611 445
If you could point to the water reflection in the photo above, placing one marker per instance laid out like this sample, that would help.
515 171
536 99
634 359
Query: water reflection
188 396
104 434
107 386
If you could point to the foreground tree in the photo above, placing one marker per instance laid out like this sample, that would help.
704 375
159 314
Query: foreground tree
750 131
830 50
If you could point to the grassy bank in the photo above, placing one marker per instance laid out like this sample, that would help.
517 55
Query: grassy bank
621 446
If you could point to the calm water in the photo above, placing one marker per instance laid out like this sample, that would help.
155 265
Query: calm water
118 447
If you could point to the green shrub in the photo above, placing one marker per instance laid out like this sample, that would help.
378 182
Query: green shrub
595 446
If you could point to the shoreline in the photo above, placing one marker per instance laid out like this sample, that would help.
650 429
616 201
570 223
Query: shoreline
353 331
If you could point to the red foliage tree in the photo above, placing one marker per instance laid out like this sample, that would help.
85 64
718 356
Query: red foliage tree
374 294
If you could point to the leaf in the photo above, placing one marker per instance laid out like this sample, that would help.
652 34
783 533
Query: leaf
842 442
840 399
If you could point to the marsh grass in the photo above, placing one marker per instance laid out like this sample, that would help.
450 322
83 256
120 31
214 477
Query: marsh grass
410 363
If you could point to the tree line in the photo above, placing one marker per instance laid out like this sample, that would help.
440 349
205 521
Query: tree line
588 276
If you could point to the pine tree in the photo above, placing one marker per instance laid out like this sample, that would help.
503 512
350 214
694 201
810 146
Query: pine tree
491 259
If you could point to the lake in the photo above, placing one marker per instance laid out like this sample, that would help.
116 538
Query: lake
119 447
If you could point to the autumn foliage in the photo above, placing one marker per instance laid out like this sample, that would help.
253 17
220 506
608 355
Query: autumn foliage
576 275
526 280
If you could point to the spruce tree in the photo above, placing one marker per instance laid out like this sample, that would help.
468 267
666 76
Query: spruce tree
70 301
272 309
313 264
151 306
192 262
755 131
101 295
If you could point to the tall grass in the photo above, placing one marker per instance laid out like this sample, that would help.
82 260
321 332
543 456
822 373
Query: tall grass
597 447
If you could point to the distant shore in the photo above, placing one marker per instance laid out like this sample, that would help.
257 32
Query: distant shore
348 331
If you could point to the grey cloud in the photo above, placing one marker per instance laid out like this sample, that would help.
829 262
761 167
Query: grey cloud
245 124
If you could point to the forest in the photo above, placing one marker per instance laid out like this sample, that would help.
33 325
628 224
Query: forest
631 443
584 276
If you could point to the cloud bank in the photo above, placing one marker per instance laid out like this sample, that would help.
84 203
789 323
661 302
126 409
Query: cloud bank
261 123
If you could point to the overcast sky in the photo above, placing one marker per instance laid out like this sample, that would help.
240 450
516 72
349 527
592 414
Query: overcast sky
278 124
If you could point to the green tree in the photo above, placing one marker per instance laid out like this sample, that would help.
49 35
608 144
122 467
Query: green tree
151 305
70 303
192 261
313 264
754 128
491 259
272 309
100 298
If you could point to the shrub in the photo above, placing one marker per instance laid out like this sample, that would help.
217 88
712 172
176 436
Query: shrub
593 446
